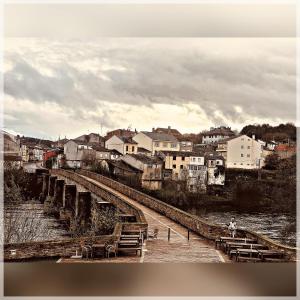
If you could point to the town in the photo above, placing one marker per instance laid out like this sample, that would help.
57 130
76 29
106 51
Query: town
150 158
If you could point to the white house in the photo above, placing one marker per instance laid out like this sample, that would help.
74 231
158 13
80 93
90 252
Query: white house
215 169
197 173
124 145
156 142
241 152
215 135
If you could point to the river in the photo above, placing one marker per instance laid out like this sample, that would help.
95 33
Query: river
268 224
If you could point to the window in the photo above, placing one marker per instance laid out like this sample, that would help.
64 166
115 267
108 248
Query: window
242 155
248 147
248 155
217 162
235 164
132 148
173 145
165 145
242 139
181 166
174 157
174 166
241 164
156 144
182 158
126 148
242 147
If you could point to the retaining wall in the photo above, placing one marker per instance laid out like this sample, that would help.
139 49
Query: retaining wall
61 248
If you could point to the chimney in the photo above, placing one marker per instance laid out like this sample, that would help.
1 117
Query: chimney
153 129
253 136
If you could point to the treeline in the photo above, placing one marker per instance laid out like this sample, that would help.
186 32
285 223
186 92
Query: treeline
266 132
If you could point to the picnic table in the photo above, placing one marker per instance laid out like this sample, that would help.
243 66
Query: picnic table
263 254
224 239
232 245
248 252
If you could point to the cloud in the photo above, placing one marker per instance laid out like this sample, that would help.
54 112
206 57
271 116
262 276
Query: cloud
222 81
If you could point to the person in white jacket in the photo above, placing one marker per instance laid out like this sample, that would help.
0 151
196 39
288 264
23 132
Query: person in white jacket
232 227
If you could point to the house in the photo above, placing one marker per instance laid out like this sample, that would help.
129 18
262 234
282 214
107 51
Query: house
11 151
54 158
77 152
285 150
141 150
168 130
91 138
103 153
120 133
177 162
197 173
124 145
241 152
156 142
150 167
122 170
215 169
185 145
215 135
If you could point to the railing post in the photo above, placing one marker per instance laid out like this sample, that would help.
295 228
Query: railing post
169 233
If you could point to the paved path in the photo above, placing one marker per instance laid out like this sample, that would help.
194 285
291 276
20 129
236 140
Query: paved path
178 249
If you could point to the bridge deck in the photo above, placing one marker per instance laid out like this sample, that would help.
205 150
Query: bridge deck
178 249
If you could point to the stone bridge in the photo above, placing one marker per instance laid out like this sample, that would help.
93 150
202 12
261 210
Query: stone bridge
182 237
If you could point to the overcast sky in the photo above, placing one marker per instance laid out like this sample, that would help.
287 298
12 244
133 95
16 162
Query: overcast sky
71 87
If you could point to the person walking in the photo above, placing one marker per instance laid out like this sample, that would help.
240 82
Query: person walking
232 227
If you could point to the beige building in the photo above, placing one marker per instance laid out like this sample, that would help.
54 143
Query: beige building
156 142
124 145
177 162
151 168
241 152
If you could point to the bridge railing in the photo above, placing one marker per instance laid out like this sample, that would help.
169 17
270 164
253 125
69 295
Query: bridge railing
191 222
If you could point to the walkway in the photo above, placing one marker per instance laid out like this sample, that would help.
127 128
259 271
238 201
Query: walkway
178 249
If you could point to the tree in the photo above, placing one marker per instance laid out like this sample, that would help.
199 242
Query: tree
272 162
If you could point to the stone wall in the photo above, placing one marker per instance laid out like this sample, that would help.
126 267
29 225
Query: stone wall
194 223
61 248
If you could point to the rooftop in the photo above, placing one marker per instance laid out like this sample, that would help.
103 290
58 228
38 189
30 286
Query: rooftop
127 140
146 159
224 131
162 137
182 153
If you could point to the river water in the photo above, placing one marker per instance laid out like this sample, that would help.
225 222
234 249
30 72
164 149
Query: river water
269 224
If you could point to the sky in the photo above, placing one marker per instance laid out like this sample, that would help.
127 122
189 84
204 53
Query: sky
70 87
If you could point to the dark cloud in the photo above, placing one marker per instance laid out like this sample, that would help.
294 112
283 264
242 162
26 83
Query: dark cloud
255 78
